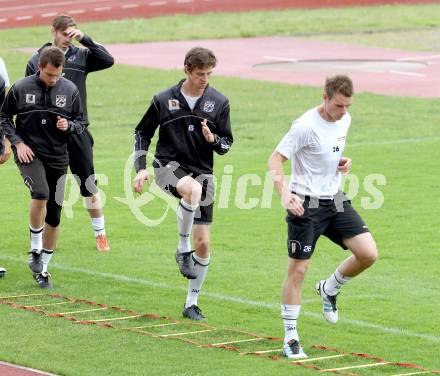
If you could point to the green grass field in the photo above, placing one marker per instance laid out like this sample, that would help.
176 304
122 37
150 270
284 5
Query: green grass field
391 311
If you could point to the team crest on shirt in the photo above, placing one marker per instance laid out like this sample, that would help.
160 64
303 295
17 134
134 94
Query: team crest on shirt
30 98
71 58
209 106
173 104
60 101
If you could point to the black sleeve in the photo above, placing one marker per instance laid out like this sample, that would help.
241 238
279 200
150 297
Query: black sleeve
77 123
2 94
7 112
223 133
143 134
30 68
98 57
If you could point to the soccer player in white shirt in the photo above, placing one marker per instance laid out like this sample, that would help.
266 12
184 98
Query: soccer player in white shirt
316 207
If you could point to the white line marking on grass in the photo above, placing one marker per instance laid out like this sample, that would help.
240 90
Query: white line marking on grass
393 142
407 73
234 299
130 6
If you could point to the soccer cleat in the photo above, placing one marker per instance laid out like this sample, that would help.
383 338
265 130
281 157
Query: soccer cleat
2 272
102 244
293 350
34 262
43 280
329 309
186 264
193 313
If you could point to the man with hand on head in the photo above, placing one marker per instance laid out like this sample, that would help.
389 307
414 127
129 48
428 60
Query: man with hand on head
193 121
48 110
79 63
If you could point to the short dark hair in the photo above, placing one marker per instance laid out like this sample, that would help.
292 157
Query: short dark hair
199 57
62 22
339 83
51 55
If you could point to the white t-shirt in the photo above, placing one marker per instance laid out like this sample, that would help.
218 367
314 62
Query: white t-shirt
190 100
4 73
315 146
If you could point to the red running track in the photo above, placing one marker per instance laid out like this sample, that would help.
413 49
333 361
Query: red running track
7 369
20 13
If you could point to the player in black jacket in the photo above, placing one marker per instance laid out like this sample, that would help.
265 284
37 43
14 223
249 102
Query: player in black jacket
79 63
2 147
5 149
193 121
47 109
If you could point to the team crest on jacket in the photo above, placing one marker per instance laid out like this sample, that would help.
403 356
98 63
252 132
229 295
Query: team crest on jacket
173 104
60 101
30 98
209 106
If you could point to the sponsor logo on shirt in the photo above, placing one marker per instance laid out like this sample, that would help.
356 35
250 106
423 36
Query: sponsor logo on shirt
60 101
173 104
342 138
190 128
209 106
71 58
30 98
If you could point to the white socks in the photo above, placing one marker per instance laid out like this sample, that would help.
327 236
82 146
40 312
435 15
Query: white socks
98 225
194 285
36 235
289 314
185 219
46 255
335 282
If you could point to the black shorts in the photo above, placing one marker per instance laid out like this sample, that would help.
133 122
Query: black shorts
336 219
45 182
169 173
80 148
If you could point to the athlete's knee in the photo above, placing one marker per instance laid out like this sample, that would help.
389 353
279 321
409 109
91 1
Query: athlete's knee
369 255
38 192
297 269
202 244
53 214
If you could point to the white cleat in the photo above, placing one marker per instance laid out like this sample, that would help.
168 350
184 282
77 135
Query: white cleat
329 308
293 350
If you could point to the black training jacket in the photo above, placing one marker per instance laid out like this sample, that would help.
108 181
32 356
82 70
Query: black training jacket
36 108
2 90
180 133
79 63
